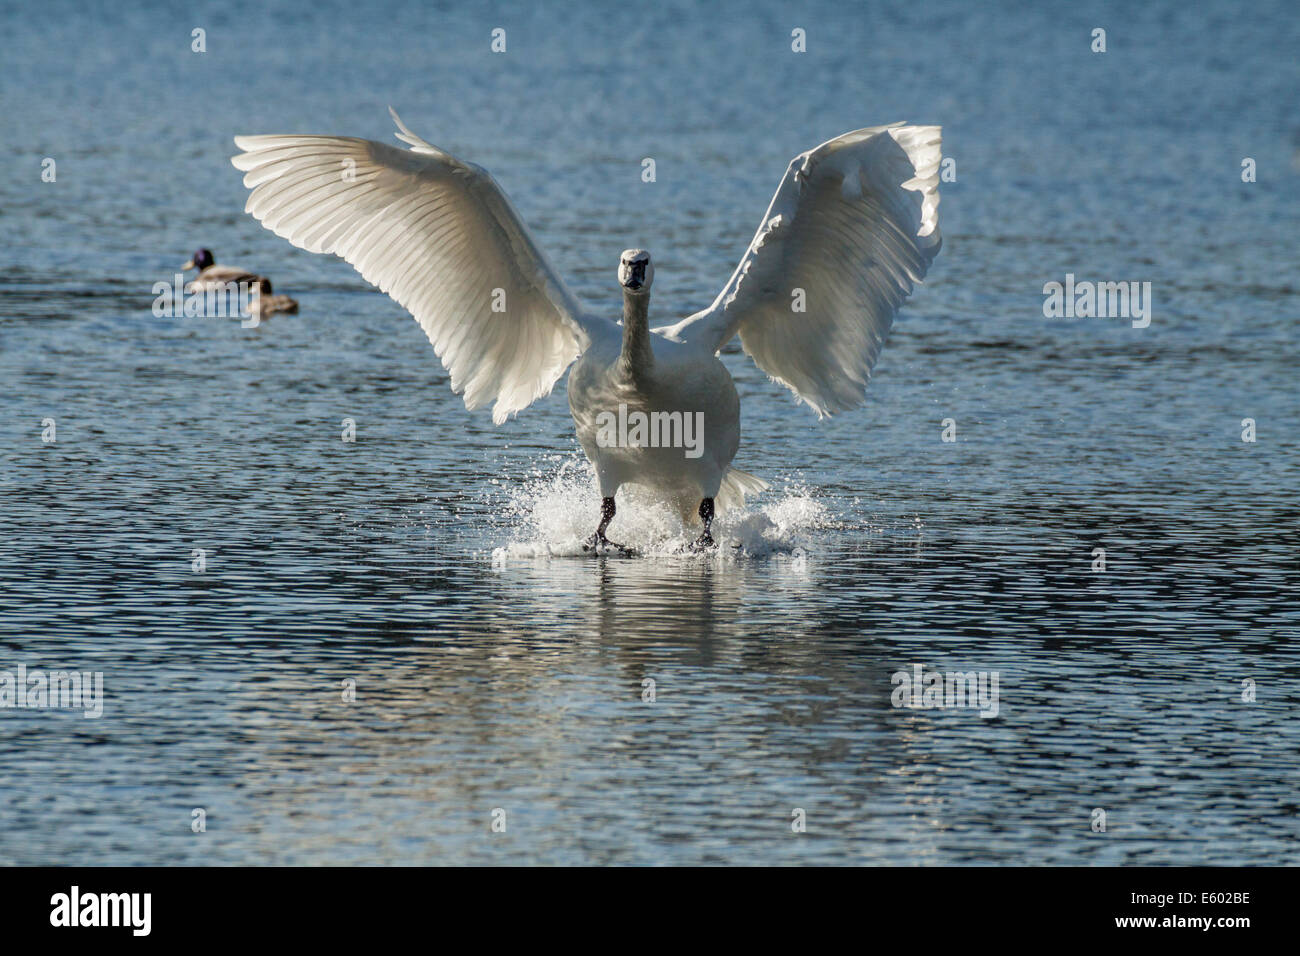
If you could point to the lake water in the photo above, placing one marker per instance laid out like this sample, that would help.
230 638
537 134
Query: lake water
434 561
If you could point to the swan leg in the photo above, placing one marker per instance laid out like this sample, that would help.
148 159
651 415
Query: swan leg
597 540
706 515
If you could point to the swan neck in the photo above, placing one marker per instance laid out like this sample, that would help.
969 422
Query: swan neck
637 354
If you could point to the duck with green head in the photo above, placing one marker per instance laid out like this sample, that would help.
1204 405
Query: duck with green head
213 277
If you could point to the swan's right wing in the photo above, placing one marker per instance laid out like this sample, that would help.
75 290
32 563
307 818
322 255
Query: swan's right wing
440 237
852 226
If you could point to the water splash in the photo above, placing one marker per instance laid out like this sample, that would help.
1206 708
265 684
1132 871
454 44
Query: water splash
551 514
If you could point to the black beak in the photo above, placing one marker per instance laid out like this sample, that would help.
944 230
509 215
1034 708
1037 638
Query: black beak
636 279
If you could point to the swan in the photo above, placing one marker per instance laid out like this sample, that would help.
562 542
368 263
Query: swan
215 278
852 227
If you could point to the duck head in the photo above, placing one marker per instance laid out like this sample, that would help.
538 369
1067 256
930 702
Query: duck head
202 259
635 271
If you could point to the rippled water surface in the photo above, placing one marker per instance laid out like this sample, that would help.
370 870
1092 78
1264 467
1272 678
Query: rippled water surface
434 562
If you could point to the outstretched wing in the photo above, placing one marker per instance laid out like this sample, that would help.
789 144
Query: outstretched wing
441 238
853 225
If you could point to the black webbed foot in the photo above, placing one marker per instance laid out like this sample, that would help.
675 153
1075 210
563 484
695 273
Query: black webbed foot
598 542
703 543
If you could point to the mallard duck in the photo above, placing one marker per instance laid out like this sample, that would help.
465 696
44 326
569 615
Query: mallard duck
266 303
213 277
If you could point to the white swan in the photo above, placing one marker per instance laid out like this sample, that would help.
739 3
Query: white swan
853 225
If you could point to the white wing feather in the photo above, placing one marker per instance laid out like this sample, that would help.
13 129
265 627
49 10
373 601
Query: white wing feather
854 224
441 238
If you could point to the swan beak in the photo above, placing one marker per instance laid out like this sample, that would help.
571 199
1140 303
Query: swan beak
635 277
188 266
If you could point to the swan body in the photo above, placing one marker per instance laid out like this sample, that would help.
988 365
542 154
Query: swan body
684 384
852 228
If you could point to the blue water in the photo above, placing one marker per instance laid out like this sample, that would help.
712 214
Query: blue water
433 560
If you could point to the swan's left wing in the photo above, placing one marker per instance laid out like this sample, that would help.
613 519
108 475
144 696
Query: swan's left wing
853 225
440 237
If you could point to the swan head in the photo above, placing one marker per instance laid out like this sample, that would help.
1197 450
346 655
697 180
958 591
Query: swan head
202 259
635 271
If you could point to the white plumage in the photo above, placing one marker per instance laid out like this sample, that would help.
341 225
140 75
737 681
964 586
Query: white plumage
851 229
